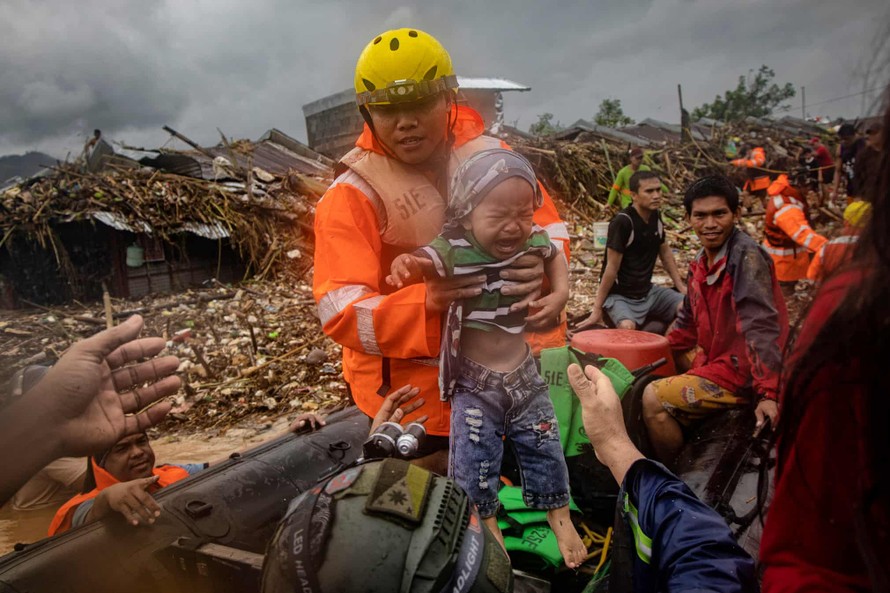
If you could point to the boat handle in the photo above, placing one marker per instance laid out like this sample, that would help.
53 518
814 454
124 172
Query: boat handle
198 508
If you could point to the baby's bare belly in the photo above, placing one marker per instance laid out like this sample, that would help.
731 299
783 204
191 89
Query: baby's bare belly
496 349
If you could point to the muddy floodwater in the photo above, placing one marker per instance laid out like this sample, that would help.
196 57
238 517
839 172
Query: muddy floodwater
29 526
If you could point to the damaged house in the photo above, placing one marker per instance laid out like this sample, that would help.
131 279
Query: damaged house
167 222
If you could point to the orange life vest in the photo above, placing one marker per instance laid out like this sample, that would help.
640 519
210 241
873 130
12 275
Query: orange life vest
168 474
362 223
781 196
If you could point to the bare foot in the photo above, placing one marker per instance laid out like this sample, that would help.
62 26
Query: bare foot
570 545
492 524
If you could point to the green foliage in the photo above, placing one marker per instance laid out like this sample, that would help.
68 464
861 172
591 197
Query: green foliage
756 98
611 115
544 126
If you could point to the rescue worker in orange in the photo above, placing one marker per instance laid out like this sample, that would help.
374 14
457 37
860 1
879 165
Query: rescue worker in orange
390 199
834 254
122 479
787 234
753 160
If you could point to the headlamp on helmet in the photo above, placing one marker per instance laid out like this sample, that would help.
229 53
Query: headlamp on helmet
406 91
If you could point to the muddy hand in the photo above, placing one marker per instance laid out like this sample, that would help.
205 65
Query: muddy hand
397 405
313 420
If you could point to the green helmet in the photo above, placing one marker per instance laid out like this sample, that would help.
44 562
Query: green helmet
385 526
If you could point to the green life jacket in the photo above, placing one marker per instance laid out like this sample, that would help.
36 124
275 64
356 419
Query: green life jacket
554 365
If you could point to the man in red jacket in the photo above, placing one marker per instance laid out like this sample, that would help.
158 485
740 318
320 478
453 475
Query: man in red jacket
733 321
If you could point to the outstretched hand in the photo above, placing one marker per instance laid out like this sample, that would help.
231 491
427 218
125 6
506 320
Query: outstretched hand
94 396
130 499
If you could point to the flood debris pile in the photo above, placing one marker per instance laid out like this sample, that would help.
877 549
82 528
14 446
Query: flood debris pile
255 350
266 217
579 165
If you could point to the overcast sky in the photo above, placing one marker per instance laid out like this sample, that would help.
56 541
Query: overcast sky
130 67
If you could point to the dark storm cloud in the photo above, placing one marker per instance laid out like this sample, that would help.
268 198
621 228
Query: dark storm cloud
130 67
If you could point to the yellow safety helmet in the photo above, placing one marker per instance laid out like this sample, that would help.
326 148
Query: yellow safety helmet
856 214
400 66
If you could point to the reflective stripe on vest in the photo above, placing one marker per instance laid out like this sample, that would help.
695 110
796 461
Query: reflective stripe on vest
775 251
844 240
559 233
642 542
335 301
364 315
774 236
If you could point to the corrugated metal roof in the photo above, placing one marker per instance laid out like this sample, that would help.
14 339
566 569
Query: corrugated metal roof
603 131
118 222
208 231
491 84
267 155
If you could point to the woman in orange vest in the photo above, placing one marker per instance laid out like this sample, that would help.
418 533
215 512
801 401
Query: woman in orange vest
390 199
787 235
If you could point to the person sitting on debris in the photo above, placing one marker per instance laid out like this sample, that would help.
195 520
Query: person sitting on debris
86 402
487 369
787 235
122 479
838 252
753 159
621 186
636 238
390 199
733 321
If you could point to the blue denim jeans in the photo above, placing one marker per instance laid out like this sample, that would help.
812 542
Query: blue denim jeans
488 405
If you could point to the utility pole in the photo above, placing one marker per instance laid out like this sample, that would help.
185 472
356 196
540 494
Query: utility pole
685 135
803 102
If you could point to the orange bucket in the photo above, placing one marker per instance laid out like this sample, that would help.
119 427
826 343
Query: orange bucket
631 348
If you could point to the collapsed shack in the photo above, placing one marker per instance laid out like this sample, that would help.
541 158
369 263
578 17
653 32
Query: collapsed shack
162 224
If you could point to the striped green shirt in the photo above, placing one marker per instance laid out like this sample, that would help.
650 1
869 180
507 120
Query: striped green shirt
456 253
